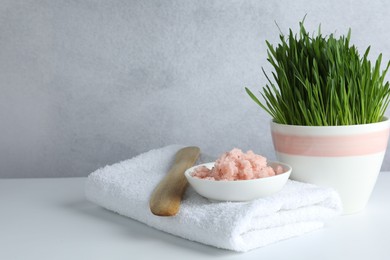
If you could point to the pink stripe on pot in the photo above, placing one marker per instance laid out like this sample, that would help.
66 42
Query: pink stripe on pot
331 146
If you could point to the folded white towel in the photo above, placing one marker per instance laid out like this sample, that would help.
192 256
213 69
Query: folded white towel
125 188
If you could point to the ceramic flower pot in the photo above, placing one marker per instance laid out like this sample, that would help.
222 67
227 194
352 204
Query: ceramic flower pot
346 158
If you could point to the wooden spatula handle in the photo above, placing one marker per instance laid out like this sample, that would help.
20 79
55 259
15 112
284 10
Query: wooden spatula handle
166 197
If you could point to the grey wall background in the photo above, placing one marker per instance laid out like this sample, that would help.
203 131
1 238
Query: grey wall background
89 83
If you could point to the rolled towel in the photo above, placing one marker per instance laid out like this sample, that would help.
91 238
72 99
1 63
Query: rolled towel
125 188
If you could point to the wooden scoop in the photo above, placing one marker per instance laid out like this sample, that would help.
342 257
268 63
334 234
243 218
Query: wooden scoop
166 197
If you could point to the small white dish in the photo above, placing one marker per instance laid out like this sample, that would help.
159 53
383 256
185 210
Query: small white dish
241 190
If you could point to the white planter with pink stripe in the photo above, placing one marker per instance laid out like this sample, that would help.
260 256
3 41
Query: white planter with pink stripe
346 158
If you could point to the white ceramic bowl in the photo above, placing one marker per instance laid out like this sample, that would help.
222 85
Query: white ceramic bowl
241 190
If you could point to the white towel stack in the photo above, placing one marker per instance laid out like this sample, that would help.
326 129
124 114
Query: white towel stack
125 188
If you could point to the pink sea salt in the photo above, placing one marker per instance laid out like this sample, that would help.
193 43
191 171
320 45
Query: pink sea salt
236 165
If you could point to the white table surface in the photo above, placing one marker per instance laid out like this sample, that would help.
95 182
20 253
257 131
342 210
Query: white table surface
51 219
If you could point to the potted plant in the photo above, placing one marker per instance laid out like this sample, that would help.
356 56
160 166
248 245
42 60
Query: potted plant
328 103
